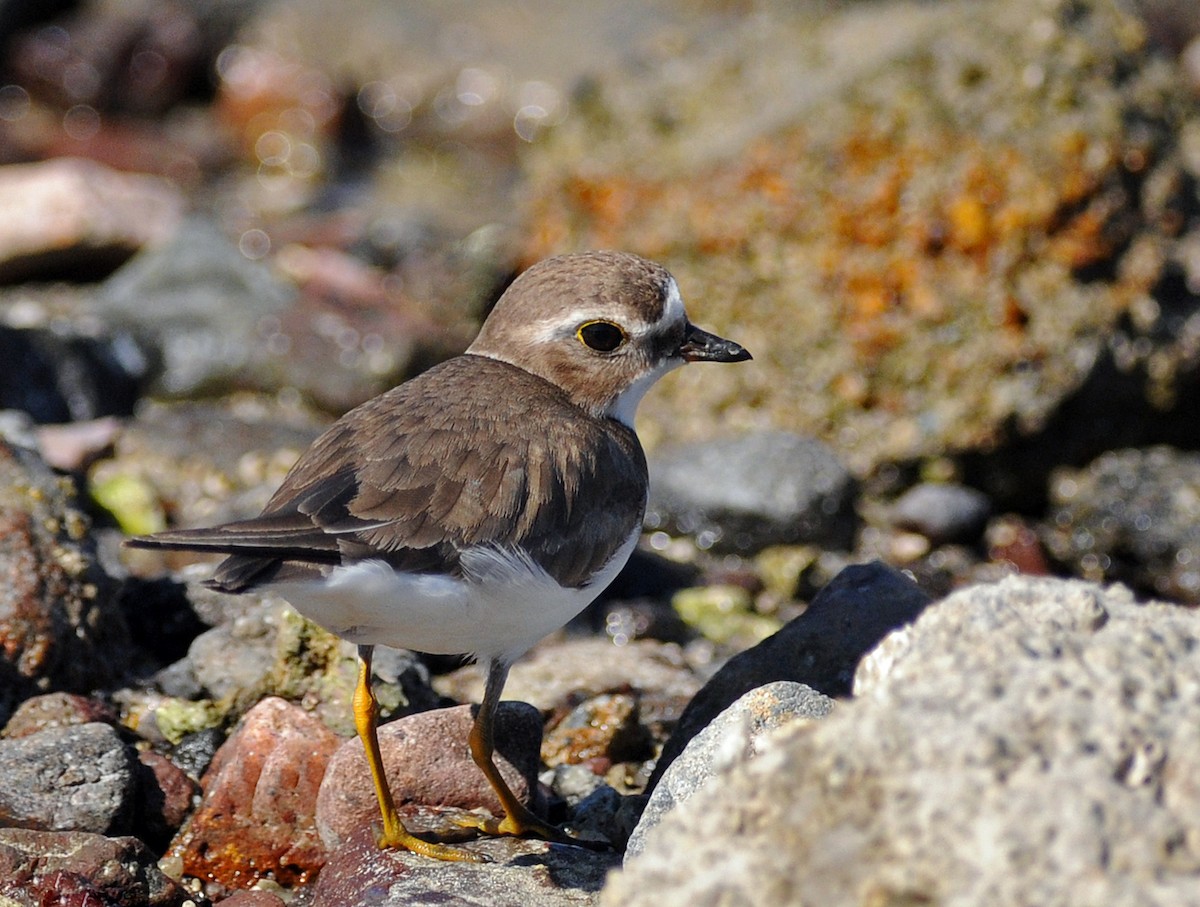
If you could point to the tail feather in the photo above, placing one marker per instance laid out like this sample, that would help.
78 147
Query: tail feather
252 538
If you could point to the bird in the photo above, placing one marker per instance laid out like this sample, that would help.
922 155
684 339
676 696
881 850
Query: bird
480 505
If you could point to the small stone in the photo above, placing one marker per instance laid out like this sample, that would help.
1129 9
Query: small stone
256 818
745 494
427 762
605 726
56 710
166 795
943 512
76 778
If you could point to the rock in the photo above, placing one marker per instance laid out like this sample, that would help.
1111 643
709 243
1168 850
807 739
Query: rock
745 494
740 733
79 778
1022 742
427 762
525 873
257 814
57 375
554 670
166 794
197 301
1132 516
604 728
253 899
960 281
76 868
821 648
57 710
942 512
60 625
67 217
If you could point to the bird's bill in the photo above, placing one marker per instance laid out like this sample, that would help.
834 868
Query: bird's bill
701 346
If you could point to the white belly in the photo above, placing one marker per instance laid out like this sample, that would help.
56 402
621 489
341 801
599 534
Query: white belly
503 605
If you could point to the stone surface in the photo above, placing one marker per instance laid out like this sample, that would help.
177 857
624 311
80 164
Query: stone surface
821 648
165 794
60 625
428 763
1131 516
1032 741
740 733
603 727
942 512
256 818
56 710
78 778
746 493
76 869
525 873
68 216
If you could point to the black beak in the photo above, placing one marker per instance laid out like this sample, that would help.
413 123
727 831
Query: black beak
701 346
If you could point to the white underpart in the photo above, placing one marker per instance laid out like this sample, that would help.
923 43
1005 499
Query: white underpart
503 605
624 407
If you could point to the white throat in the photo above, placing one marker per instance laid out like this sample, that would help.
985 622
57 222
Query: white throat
624 407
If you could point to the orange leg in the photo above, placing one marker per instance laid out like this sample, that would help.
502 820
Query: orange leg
366 720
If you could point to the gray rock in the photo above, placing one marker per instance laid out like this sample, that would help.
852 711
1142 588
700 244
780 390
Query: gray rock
1132 516
942 512
80 778
199 302
743 494
736 735
821 648
1033 741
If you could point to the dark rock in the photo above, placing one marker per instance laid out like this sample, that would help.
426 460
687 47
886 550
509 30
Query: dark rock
80 778
735 736
821 648
60 626
604 727
524 873
1131 516
1037 720
57 376
744 494
256 816
195 752
942 512
166 794
428 763
76 869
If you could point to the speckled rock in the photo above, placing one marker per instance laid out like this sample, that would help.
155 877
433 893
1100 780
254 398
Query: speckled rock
1032 741
821 648
1133 516
76 868
60 625
55 710
77 778
950 227
740 733
428 763
257 814
746 493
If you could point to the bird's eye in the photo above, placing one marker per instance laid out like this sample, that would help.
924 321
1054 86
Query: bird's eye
602 336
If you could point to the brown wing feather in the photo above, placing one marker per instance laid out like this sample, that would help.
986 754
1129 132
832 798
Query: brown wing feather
404 477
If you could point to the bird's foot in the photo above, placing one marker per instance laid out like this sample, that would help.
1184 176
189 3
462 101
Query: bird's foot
397 838
523 823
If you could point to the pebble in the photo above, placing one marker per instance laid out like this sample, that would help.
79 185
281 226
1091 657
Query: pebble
746 493
943 512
